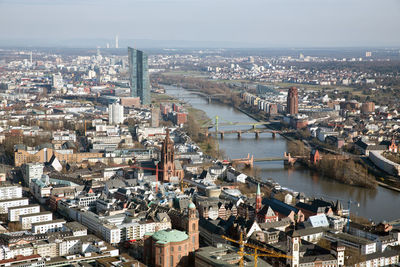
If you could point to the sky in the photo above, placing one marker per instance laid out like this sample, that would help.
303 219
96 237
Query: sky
261 23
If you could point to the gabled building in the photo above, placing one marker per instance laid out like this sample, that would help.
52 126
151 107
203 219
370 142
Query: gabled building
283 210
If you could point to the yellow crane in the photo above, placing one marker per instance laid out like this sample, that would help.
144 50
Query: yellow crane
183 185
264 252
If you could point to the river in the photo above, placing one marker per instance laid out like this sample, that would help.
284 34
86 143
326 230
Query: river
378 205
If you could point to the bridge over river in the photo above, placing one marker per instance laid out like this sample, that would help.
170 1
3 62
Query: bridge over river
298 179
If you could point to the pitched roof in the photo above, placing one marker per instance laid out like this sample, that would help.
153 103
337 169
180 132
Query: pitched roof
279 206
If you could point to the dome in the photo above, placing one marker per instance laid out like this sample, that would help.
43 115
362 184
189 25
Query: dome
191 206
166 236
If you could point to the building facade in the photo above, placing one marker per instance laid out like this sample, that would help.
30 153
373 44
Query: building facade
10 192
139 75
167 165
115 113
292 101
167 248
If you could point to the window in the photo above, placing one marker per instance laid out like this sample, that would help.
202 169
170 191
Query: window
194 227
172 261
160 260
179 248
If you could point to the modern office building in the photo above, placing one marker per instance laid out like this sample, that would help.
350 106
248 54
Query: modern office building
139 75
292 101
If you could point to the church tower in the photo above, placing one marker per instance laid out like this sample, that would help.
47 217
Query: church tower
166 165
258 199
293 245
193 227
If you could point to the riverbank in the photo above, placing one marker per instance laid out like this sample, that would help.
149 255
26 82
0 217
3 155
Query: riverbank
298 179
193 127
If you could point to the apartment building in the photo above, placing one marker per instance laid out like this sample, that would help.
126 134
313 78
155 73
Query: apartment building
48 226
76 228
8 191
27 220
10 203
15 212
43 155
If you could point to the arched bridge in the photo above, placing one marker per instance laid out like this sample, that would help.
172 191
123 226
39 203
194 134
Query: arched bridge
249 161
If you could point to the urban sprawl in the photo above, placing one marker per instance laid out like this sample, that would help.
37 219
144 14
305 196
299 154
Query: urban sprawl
100 167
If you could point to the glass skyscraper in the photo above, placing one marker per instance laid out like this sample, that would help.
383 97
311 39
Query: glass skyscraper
139 75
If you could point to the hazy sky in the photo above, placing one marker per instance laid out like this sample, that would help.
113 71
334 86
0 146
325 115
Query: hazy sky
262 22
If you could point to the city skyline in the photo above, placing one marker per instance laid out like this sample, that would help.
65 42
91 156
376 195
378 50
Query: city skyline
306 23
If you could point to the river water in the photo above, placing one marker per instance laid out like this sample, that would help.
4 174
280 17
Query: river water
378 205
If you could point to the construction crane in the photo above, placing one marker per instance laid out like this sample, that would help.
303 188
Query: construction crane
183 184
264 252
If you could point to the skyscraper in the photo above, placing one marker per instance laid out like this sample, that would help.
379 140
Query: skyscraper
292 101
116 41
139 75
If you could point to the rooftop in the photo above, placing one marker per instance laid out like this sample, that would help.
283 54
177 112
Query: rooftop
167 236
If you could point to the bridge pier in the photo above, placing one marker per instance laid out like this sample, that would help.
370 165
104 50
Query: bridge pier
239 134
257 135
222 135
274 135
209 99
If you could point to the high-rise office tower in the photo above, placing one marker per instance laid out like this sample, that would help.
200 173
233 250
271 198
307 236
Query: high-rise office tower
139 75
115 113
292 101
116 41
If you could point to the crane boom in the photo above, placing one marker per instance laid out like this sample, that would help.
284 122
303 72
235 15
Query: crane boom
242 244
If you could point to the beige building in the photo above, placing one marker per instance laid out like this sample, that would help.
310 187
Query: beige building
22 156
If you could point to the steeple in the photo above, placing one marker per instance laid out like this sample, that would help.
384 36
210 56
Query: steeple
166 164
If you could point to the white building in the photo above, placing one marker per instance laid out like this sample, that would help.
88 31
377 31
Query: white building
15 212
27 220
235 176
10 192
64 136
115 113
10 203
57 81
111 233
31 171
76 228
48 226
87 200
